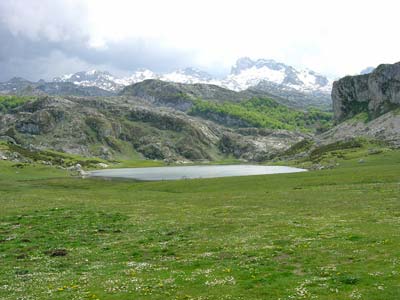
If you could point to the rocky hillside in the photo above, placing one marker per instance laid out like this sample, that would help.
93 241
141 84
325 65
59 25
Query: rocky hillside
383 128
130 127
155 119
180 96
375 93
367 105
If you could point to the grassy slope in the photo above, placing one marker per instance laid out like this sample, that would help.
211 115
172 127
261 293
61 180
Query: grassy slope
10 102
330 234
265 113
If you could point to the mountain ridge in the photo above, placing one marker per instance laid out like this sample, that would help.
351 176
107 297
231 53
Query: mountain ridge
266 75
244 74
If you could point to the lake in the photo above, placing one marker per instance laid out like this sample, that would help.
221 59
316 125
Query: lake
192 172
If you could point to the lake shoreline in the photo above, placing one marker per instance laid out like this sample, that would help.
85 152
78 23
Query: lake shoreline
191 172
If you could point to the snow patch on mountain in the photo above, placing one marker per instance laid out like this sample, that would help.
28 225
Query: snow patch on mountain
188 75
251 77
137 76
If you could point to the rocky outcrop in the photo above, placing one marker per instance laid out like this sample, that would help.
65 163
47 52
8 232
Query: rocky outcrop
375 93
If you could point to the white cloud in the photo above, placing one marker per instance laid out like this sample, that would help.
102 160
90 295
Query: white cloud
335 37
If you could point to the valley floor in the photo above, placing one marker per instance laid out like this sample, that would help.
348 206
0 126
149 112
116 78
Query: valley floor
330 234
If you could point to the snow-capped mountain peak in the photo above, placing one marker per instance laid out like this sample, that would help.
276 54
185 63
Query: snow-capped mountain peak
247 73
138 76
188 75
101 79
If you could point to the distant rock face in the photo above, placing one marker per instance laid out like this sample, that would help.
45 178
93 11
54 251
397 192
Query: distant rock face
375 93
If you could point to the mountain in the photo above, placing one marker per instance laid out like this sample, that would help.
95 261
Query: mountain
14 85
94 78
249 73
21 86
188 75
106 81
67 88
138 76
301 88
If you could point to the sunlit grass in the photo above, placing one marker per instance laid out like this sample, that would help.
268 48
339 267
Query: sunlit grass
331 234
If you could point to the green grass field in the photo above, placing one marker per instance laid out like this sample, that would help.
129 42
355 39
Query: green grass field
331 234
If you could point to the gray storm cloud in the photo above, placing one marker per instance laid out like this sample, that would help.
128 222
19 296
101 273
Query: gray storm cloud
47 38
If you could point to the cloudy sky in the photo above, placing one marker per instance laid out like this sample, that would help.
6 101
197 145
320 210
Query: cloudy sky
47 38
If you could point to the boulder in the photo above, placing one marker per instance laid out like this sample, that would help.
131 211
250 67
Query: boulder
102 165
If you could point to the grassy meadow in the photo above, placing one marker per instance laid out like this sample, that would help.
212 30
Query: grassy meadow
329 234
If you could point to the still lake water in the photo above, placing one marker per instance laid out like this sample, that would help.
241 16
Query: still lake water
191 172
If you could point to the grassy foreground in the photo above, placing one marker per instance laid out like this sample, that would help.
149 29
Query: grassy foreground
331 234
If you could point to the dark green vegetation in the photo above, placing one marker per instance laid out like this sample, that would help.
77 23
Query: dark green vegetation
264 113
9 102
359 111
331 234
300 147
